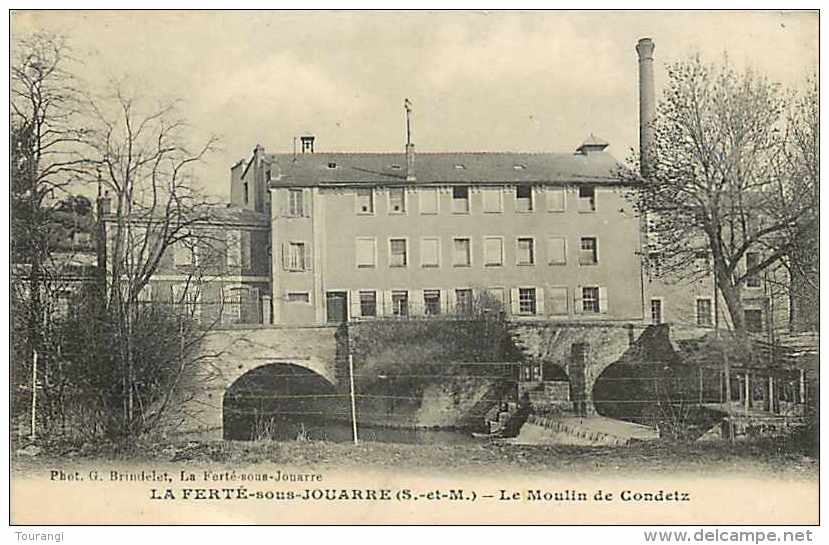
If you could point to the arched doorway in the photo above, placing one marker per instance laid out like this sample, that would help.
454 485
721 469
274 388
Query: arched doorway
278 401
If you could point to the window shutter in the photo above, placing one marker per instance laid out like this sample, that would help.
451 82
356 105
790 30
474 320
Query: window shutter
603 299
354 303
254 307
306 203
597 249
577 304
416 303
514 301
245 249
385 304
285 257
539 301
307 257
444 302
284 196
233 248
451 301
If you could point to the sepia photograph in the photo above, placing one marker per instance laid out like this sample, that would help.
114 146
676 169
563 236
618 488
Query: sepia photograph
413 268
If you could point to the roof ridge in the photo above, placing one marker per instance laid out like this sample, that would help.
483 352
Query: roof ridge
478 152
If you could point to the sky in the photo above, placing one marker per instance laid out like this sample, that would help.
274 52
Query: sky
479 81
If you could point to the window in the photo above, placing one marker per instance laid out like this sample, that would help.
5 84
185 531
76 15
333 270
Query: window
589 254
185 252
752 260
400 303
523 198
234 249
428 201
460 199
526 301
431 302
146 294
463 253
701 260
232 300
295 256
494 300
493 251
299 297
397 200
492 200
556 201
557 247
656 311
187 299
368 303
61 309
365 201
587 198
430 252
655 263
366 253
397 252
526 251
590 299
463 301
558 301
704 312
295 203
754 320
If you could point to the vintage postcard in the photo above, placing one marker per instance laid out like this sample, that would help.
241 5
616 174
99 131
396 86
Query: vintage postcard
414 267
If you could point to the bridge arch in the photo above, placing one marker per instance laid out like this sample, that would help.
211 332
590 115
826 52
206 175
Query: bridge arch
276 401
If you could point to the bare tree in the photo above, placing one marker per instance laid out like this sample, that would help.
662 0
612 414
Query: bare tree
144 163
47 139
717 186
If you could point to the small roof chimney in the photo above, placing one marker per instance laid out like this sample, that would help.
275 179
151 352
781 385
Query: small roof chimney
591 145
307 143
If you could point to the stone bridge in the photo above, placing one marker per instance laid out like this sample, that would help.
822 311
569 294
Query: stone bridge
582 350
229 354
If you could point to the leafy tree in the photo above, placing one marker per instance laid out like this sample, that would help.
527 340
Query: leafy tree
724 178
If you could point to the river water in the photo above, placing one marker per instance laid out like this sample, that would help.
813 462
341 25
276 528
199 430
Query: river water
341 432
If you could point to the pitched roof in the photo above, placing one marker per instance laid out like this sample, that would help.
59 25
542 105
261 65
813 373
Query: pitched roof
321 169
217 214
233 214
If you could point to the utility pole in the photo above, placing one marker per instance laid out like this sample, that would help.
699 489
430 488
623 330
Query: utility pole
34 395
353 397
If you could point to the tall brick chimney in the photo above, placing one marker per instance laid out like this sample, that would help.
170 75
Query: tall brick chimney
647 100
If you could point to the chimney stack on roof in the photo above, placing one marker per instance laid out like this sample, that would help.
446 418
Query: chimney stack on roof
307 143
410 158
647 102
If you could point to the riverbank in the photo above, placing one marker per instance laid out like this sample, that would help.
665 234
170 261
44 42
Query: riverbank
768 458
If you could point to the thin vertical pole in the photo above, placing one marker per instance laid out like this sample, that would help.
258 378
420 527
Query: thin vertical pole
748 391
34 395
353 398
726 363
